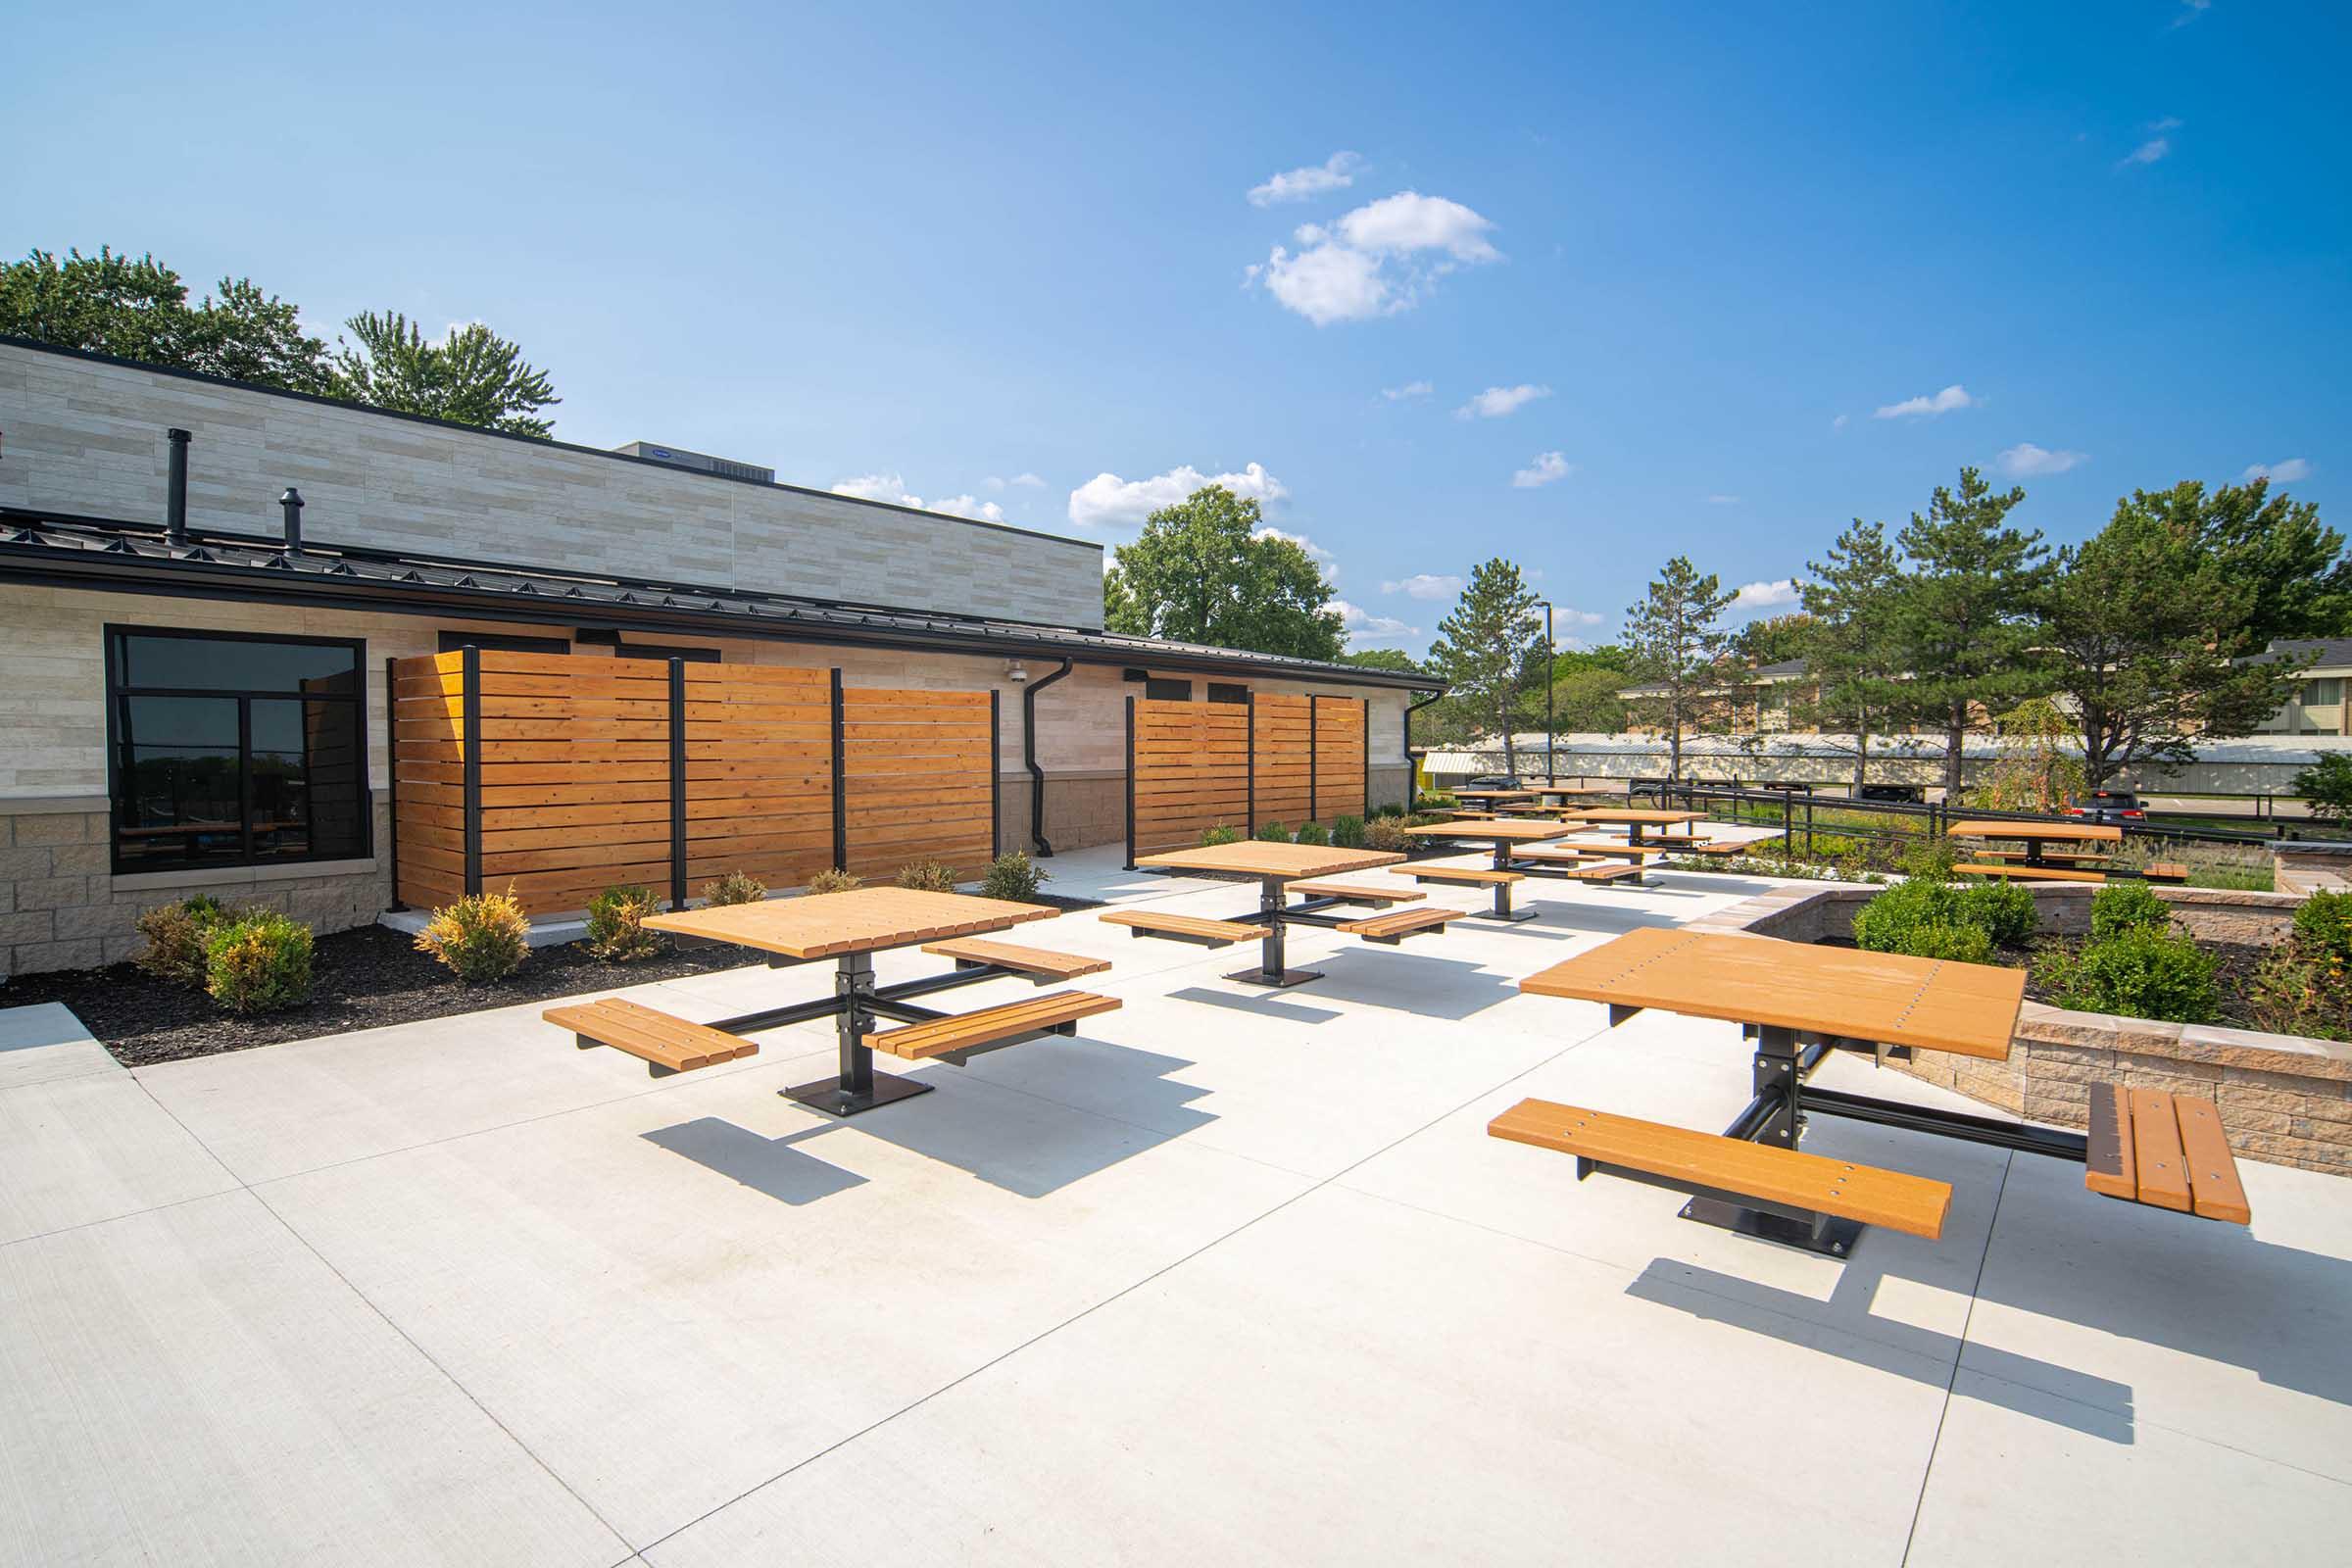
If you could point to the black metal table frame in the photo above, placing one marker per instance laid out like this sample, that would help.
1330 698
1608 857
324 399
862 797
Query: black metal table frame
2038 858
1277 914
855 1004
1778 1117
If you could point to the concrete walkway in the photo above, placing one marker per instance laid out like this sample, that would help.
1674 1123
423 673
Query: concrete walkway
1233 1277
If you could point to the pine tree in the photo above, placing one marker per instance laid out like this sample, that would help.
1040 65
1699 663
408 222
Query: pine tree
1481 645
1677 646
1850 656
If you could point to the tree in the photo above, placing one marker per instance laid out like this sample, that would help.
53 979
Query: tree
1964 615
1480 646
1773 639
1582 700
1391 659
2327 788
1848 646
2149 626
1207 571
2299 577
472 376
2034 771
1120 611
138 310
1676 647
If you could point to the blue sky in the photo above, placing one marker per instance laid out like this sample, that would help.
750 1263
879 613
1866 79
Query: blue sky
1582 285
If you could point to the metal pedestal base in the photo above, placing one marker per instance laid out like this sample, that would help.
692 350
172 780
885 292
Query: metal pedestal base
1508 917
1275 982
828 1096
1824 1234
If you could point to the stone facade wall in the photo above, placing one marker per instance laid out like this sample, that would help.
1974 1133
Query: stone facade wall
86 438
2282 1098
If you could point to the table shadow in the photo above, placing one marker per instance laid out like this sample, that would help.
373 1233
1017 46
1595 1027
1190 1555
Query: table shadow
769 1166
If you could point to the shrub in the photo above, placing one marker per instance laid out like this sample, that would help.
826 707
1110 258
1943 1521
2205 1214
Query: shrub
617 924
2296 991
1386 808
1435 801
482 937
2326 787
2006 913
1961 943
1348 832
2122 906
1387 834
2141 972
176 935
928 876
1272 833
1211 837
1313 833
736 887
1931 859
1014 877
2324 927
1891 921
834 880
258 963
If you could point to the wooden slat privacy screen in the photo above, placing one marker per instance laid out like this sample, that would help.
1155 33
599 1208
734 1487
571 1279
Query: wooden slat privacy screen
590 771
1198 766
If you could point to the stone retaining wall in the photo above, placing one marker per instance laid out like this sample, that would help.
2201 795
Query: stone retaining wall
2284 1098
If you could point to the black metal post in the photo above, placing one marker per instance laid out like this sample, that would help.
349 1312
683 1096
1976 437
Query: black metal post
176 489
469 708
1250 761
841 805
1130 783
858 1087
392 781
1273 968
1551 662
1364 809
996 775
677 783
1314 747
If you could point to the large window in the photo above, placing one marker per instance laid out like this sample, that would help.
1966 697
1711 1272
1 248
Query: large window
227 749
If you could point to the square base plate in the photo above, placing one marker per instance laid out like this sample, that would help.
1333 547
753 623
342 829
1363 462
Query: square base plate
1259 977
1515 917
827 1094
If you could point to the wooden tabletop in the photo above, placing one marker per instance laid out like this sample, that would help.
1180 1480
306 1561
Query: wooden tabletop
1930 1003
1579 789
1486 794
1516 829
861 920
2078 832
1289 861
1631 815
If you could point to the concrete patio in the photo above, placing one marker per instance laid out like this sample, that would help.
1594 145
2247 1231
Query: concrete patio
1231 1277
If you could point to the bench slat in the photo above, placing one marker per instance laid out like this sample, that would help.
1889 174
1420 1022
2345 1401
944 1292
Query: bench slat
2156 1150
2035 873
665 1042
1216 933
1349 892
2107 1158
1398 924
1012 955
1866 1194
2215 1189
1464 875
936 1037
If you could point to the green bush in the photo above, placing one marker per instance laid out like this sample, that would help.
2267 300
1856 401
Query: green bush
1387 834
928 876
834 880
2141 973
176 935
1891 921
616 920
258 963
2122 906
1222 833
2006 913
1386 808
1014 877
1348 832
482 937
1435 801
2299 991
1961 943
2324 927
1917 914
1272 833
1930 860
1314 833
736 887
2326 787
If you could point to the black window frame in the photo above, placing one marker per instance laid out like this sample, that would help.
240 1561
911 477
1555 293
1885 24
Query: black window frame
503 642
1156 688
692 656
117 740
1232 693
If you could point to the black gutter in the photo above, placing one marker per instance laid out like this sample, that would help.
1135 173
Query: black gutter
1412 771
1037 774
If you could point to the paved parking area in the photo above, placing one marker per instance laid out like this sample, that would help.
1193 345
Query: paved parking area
1231 1277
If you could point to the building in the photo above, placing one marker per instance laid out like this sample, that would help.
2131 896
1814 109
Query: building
2317 706
205 633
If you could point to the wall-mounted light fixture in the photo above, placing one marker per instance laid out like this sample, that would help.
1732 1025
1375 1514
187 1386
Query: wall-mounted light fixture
1015 671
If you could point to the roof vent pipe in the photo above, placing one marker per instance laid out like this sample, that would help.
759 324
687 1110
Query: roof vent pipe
291 502
176 489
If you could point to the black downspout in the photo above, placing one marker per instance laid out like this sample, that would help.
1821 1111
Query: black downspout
176 489
1037 774
1411 770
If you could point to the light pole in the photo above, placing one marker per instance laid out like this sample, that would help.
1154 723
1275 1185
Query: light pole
1551 659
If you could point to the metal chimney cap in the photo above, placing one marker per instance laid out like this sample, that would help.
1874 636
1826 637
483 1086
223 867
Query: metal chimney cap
292 497
176 434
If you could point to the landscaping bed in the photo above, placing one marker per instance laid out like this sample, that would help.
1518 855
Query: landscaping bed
2234 975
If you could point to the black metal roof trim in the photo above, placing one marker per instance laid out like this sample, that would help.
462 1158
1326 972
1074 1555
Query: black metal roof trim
535 442
137 558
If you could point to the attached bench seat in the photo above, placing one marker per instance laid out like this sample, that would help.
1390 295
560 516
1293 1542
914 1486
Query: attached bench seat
2028 874
2164 872
2168 1150
665 1044
1689 1160
1398 924
1602 872
1186 927
940 1037
1349 892
1041 964
1468 876
1720 846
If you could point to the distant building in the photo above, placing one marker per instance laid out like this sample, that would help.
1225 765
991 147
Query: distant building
2317 706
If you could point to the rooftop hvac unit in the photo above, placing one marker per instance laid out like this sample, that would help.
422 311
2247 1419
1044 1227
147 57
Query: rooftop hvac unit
697 462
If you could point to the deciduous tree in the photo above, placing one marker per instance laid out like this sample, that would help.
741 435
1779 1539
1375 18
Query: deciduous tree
1206 570
472 375
137 309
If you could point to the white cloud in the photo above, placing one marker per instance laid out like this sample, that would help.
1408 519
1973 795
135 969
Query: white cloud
1839 424
2287 473
1364 627
2026 460
1109 500
2168 122
1425 585
1498 401
1380 259
1951 397
1760 596
1335 173
2192 11
891 488
1572 616
1322 557
1723 501
1020 482
1548 467
1410 390
2147 152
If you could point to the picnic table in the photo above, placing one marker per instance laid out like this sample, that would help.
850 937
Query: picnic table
1635 818
1279 868
1493 794
850 928
2034 834
1504 833
1800 1003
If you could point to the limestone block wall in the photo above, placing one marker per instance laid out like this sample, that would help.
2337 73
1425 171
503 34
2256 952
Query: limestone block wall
86 438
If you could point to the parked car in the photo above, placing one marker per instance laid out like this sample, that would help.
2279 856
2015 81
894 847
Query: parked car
1914 794
2108 806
